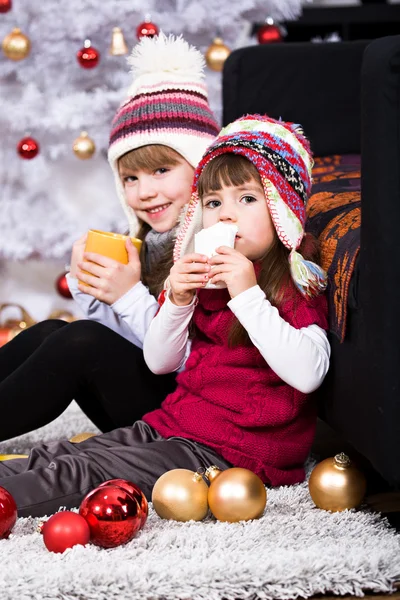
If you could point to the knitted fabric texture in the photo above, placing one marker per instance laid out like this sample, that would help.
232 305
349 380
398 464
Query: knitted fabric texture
230 399
156 246
166 104
282 156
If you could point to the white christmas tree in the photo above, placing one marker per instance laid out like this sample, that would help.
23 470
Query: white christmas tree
49 201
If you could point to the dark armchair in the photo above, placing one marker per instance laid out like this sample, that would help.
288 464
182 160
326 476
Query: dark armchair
347 97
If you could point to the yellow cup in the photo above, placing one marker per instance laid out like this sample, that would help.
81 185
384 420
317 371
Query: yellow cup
110 244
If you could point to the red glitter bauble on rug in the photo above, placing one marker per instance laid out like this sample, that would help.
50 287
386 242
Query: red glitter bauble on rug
136 492
146 29
5 5
28 148
8 513
269 33
113 514
88 57
64 530
62 286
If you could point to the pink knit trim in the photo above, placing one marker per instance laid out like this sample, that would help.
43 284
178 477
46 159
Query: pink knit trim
152 136
163 126
177 108
169 116
188 99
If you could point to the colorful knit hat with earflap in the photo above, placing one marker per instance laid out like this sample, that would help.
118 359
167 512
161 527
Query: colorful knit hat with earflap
166 104
282 156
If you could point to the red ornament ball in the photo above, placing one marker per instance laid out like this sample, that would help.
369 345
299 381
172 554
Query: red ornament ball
146 29
136 492
65 530
269 34
113 515
8 513
62 286
5 5
28 148
88 57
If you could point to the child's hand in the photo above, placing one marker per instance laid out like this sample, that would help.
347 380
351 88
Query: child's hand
77 254
109 279
188 274
233 268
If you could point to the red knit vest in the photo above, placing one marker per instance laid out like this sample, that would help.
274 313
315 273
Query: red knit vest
230 399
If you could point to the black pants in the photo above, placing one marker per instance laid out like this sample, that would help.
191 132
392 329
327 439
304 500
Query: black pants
47 366
50 364
61 473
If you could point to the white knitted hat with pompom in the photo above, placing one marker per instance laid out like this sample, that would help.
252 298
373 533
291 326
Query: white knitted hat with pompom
166 104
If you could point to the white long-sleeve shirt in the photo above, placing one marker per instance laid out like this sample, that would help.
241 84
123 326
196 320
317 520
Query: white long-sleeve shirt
130 315
300 357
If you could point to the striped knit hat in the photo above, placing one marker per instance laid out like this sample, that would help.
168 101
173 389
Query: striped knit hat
166 104
282 156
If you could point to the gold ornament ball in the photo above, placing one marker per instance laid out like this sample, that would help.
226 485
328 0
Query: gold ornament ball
84 147
336 485
212 472
217 54
237 495
180 495
16 45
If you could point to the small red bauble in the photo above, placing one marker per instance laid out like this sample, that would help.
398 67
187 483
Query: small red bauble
146 29
65 530
88 57
5 5
28 148
113 515
8 513
62 286
269 34
136 492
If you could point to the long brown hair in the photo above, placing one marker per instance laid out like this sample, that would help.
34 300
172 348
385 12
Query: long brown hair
274 271
151 157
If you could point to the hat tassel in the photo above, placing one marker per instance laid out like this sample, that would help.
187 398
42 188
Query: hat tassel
308 277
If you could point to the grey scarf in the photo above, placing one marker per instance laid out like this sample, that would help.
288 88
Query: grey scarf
157 245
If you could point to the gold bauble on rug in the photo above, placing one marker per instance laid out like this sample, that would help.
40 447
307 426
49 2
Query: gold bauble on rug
237 495
16 45
216 54
12 456
81 437
212 472
336 485
180 495
84 147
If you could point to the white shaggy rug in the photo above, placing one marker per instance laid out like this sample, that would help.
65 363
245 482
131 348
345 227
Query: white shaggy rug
294 550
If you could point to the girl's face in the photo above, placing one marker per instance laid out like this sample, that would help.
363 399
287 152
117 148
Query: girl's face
157 196
246 207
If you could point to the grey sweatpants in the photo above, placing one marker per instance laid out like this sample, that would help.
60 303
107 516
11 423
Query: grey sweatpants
61 473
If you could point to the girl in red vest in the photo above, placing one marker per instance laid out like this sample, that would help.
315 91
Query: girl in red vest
248 354
259 346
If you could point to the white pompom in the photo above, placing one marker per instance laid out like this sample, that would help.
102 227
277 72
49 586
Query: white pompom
167 54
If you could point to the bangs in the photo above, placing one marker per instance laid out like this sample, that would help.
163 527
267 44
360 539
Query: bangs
149 157
226 170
